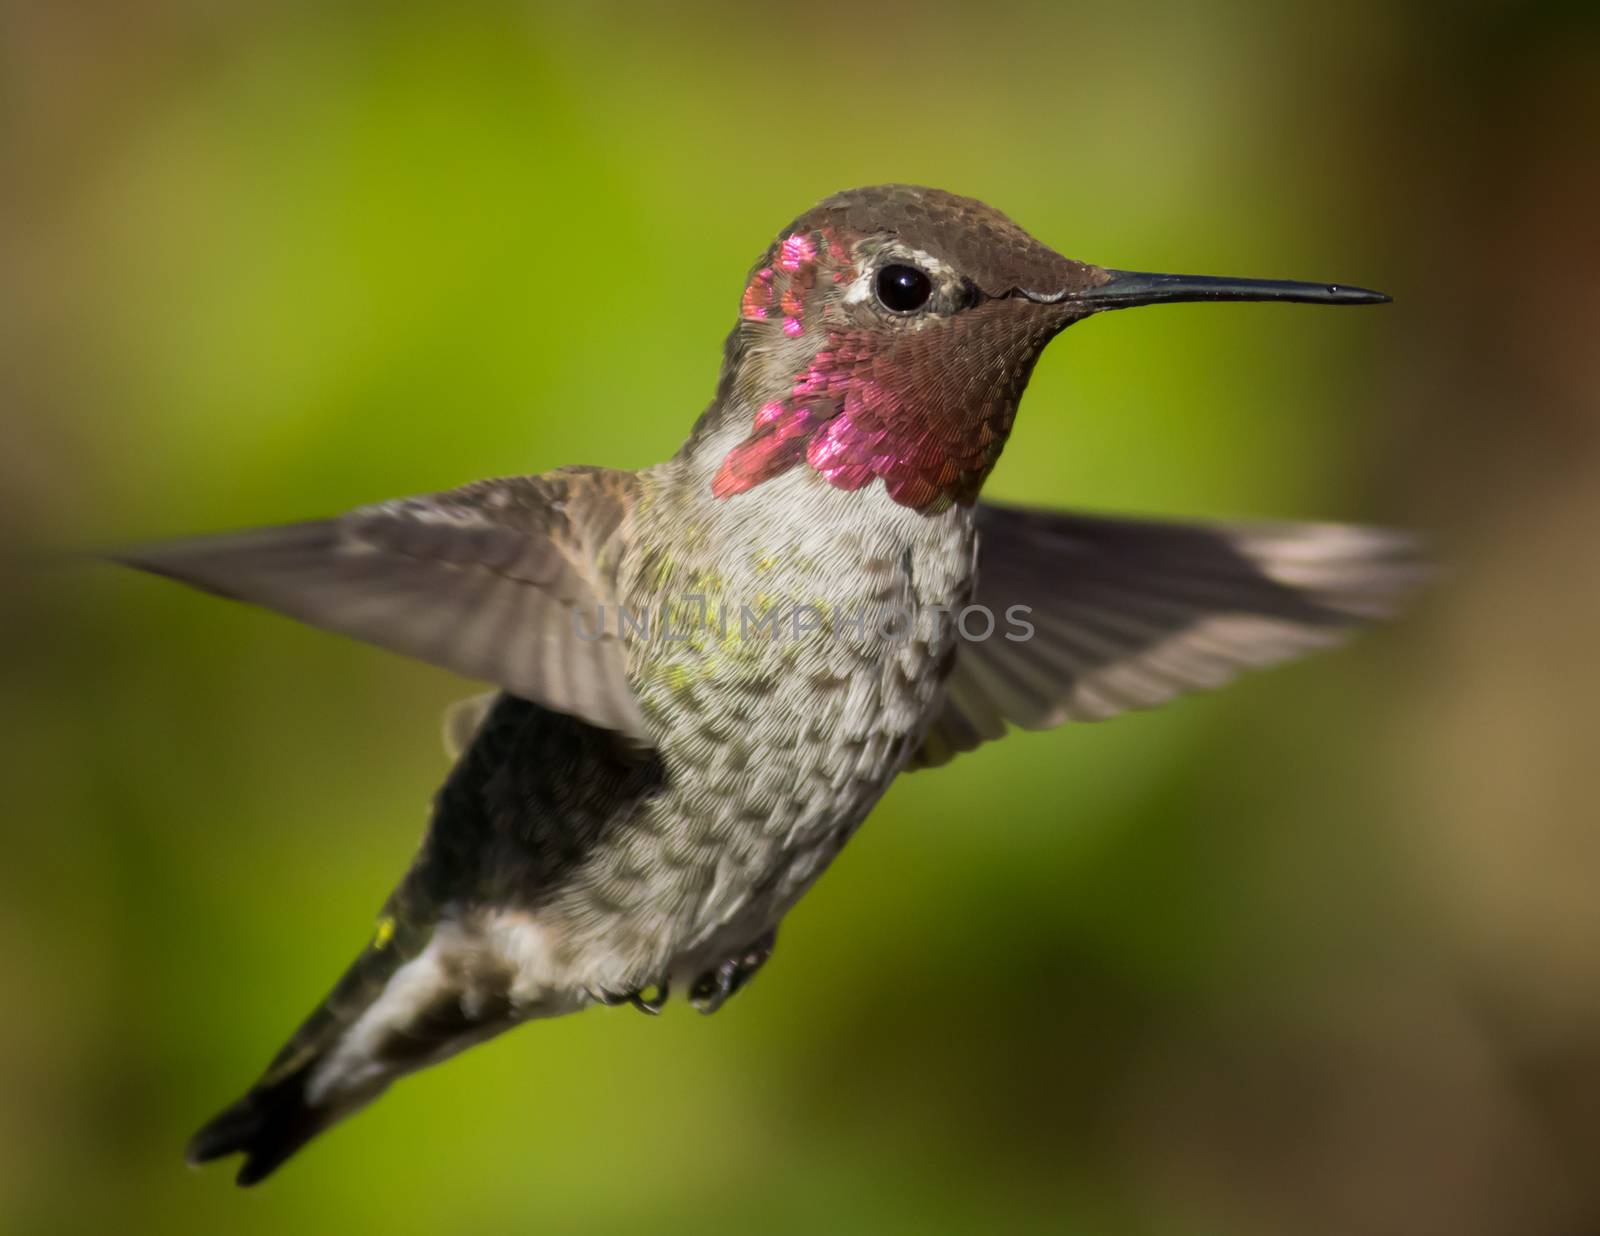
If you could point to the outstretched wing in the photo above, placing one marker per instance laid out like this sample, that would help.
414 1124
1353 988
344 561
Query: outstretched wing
495 580
1129 613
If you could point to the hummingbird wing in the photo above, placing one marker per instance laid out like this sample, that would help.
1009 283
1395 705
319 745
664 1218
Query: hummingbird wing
499 580
1128 613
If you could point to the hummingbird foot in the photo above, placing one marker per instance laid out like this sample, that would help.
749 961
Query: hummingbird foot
650 1004
712 989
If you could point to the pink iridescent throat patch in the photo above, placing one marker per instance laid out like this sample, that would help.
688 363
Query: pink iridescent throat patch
871 403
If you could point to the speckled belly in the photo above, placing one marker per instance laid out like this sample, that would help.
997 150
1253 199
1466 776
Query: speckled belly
775 750
771 833
766 781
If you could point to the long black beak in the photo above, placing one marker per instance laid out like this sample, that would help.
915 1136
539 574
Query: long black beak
1127 288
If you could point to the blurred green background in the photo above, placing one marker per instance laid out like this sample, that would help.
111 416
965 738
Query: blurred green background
1320 954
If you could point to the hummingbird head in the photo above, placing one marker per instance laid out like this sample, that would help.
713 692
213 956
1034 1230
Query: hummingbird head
889 332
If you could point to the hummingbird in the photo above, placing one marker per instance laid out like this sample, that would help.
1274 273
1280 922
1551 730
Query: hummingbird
670 757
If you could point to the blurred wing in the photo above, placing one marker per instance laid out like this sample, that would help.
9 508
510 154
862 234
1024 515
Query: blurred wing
1129 613
495 580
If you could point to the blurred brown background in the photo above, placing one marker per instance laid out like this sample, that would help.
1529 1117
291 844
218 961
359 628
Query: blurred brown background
1320 954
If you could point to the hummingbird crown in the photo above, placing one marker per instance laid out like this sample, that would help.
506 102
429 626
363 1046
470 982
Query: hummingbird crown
889 333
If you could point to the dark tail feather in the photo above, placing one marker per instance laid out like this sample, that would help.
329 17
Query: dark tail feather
275 1117
268 1125
314 1082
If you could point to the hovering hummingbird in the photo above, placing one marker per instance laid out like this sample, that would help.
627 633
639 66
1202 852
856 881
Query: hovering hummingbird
637 807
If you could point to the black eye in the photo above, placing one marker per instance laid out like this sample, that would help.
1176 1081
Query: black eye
903 288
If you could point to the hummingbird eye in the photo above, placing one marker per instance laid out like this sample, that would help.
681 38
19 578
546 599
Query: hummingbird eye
902 289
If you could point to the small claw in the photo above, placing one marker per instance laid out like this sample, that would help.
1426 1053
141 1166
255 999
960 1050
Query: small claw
712 989
645 1004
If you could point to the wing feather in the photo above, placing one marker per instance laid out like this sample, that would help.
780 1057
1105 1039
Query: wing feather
488 580
1129 613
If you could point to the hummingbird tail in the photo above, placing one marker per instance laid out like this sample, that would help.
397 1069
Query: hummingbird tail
290 1105
421 991
267 1125
431 982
